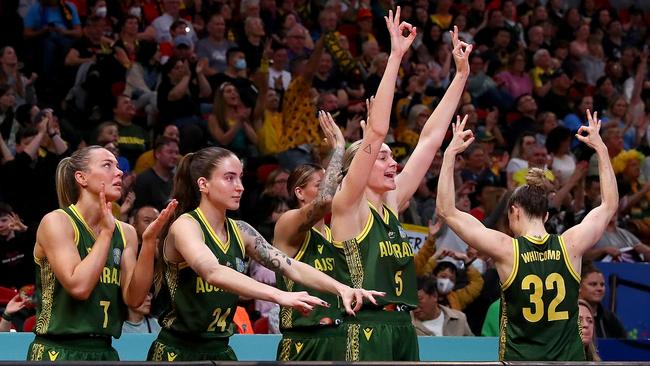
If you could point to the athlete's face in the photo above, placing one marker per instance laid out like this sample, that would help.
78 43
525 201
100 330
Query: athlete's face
382 176
427 305
587 323
102 169
592 287
224 188
308 193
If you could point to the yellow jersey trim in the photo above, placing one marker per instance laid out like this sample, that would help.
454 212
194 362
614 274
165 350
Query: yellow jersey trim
235 229
384 212
535 240
74 227
223 246
515 265
121 230
303 247
183 264
79 216
362 235
567 260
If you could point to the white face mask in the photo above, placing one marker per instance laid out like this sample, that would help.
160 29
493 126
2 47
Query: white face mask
136 11
101 11
479 265
445 285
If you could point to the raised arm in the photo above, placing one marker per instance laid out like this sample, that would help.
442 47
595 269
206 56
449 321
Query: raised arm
291 228
55 242
584 235
186 238
436 126
137 269
493 243
264 253
358 173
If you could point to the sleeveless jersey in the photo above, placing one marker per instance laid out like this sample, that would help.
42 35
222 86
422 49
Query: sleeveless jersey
381 258
103 313
318 252
199 309
539 311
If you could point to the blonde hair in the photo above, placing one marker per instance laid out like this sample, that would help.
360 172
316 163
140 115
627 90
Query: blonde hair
67 189
536 178
590 350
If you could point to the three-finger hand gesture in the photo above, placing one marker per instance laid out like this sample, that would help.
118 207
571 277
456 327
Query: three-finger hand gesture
462 138
460 52
399 43
592 130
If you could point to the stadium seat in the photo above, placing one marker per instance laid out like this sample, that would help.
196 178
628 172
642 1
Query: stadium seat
6 294
29 324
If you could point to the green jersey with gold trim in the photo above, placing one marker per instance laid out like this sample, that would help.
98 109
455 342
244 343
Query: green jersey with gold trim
199 309
539 318
317 251
104 312
381 258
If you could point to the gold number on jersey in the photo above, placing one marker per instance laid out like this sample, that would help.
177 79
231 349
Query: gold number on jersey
399 284
219 320
105 305
553 281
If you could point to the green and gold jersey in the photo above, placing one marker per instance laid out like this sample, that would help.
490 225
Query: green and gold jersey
539 310
104 311
381 258
199 309
317 251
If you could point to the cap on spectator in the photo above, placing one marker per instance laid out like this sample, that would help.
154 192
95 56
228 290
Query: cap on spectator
364 14
183 41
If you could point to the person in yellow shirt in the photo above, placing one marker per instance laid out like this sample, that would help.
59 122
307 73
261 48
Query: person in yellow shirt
146 160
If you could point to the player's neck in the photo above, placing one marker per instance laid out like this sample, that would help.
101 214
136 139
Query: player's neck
215 216
88 207
532 228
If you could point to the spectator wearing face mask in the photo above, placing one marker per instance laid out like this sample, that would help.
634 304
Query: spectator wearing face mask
432 319
446 275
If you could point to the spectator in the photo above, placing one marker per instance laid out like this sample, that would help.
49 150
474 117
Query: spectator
432 319
605 91
558 144
252 42
592 290
237 75
16 247
28 180
515 80
108 136
53 25
476 166
279 77
133 139
8 124
230 123
613 40
171 13
578 48
517 161
446 276
547 122
141 218
143 78
147 159
139 320
541 73
557 98
15 305
527 122
575 120
613 139
620 245
593 62
215 45
537 157
154 186
276 183
296 42
617 114
10 74
587 333
483 88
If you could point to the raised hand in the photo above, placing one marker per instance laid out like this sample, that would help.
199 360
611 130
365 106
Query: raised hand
434 229
16 223
592 139
333 134
460 52
153 230
399 44
16 304
106 211
352 298
462 138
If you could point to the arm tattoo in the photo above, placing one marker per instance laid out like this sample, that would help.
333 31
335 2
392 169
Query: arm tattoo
326 191
368 149
263 252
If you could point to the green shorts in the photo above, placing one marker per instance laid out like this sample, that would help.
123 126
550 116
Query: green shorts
45 348
377 335
171 347
315 344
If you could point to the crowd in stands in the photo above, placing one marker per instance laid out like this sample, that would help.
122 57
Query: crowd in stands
151 80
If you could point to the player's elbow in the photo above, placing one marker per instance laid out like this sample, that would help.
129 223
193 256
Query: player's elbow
80 292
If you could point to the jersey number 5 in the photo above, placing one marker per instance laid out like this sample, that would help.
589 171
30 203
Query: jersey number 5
553 281
399 284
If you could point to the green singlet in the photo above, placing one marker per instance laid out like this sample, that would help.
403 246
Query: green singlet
539 317
381 258
317 335
70 329
200 320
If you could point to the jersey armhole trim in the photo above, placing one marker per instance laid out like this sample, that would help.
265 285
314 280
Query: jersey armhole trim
567 260
515 265
182 264
74 226
303 247
361 236
118 224
235 230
